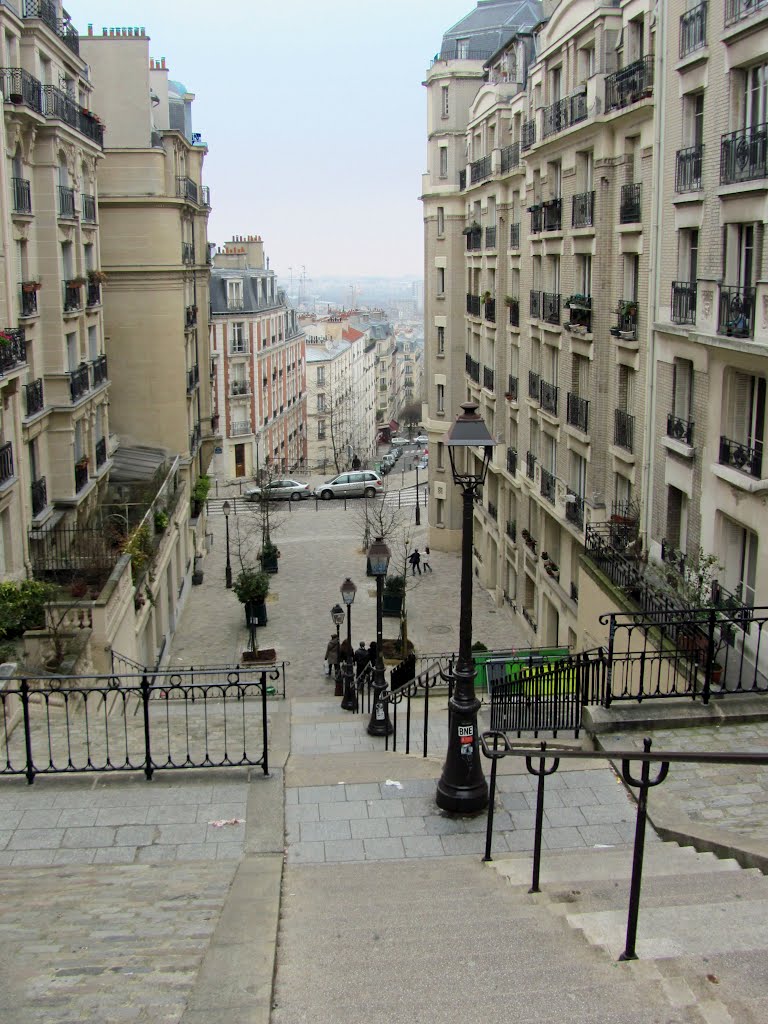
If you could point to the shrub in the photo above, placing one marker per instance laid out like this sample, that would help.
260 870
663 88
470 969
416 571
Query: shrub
251 585
394 585
22 606
201 488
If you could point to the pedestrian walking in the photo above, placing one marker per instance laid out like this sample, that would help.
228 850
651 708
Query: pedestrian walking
332 654
362 657
425 560
345 652
372 653
415 559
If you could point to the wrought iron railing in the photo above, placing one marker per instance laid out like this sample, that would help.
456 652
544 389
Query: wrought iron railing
550 307
683 304
93 293
624 430
534 308
193 379
187 252
22 195
736 312
88 208
537 217
35 401
744 455
547 486
514 312
510 157
490 238
79 382
489 310
736 10
527 135
534 385
59 105
512 462
13 350
511 529
473 305
564 113
73 297
549 397
511 391
679 429
514 235
479 170
39 495
583 210
81 474
99 368
474 239
18 86
194 438
530 467
693 29
688 166
629 206
240 427
629 84
473 368
488 378
553 214
190 316
574 508
626 319
492 511
744 154
47 11
186 188
6 462
577 411
580 313
28 301
66 202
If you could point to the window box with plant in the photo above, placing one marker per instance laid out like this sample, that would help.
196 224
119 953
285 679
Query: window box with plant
96 276
76 282
30 286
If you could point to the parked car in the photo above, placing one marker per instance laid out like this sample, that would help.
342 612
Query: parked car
399 441
280 490
365 483
421 439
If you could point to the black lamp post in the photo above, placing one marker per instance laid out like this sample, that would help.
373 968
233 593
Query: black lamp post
337 614
418 510
379 725
228 570
462 787
349 701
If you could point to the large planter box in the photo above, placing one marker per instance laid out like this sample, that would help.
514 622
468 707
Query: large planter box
268 564
391 605
257 611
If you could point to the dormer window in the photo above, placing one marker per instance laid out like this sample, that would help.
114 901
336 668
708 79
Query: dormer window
235 294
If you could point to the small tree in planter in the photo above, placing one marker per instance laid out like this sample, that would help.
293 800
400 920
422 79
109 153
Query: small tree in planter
200 494
392 598
251 588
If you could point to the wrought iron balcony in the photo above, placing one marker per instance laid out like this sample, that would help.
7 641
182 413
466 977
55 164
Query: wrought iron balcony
462 180
79 382
629 206
6 462
535 305
510 157
190 316
624 430
626 319
547 487
99 365
743 154
688 164
527 135
744 456
241 387
473 305
73 297
579 312
534 385
583 210
511 391
46 10
537 217
61 107
193 379
490 238
683 306
186 188
22 195
514 235
187 252
488 378
39 493
35 401
101 452
563 113
511 529
240 427
512 462
18 86
736 313
530 465
489 310
81 474
66 202
474 239
93 293
693 29
28 301
472 367
88 208
479 170
514 312
13 349
549 395
574 509
736 10
679 429
553 214
630 84
550 307
577 412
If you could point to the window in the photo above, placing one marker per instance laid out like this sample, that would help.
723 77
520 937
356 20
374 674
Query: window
443 161
93 341
440 455
688 254
693 119
321 403
444 101
584 274
321 430
740 561
320 375
578 474
441 220
622 489
677 518
462 49
235 294
72 353
441 280
586 63
440 516
237 343
441 341
441 397
754 101
624 389
682 387
745 409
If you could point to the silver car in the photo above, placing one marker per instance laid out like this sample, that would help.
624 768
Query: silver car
280 490
364 483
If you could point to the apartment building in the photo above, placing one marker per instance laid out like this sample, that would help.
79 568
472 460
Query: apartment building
54 424
388 397
258 365
538 230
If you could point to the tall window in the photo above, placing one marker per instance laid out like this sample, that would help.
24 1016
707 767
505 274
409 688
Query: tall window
584 274
441 280
441 220
677 518
754 102
320 375
235 294
444 101
443 161
740 561
441 397
441 341
745 409
682 387
237 344
688 254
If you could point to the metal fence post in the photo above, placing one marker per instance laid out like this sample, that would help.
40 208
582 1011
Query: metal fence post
710 656
148 768
264 736
24 696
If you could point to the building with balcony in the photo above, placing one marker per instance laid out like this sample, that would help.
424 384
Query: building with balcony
258 365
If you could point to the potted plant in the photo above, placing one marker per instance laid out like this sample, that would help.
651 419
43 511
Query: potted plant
97 276
161 520
392 598
470 228
30 286
76 282
200 494
485 297
251 588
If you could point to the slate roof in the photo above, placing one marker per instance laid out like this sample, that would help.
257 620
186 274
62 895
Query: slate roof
251 301
490 26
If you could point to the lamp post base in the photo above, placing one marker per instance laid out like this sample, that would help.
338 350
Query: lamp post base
380 724
349 701
462 788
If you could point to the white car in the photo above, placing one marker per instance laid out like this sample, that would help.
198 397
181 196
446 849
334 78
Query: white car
280 490
421 439
397 441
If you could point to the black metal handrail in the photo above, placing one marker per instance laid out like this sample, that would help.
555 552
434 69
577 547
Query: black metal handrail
22 195
474 239
39 495
462 180
688 167
736 312
527 135
553 214
66 202
88 208
81 474
101 452
493 512
744 455
547 485
550 307
79 382
35 401
13 348
534 385
510 157
511 529
99 366
549 394
488 378
193 379
693 29
564 113
6 462
512 384
479 170
577 411
736 10
190 316
537 217
73 297
679 428
93 294
186 188
47 12
744 154
683 305
629 84
530 465
472 367
514 235
630 211
624 430
626 318
512 463
187 252
59 105
583 210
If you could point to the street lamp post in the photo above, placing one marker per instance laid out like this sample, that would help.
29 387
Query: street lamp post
462 787
379 725
337 614
418 509
349 701
228 571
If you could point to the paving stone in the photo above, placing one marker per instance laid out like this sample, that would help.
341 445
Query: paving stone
458 845
36 839
559 816
344 850
175 834
115 855
439 825
423 846
562 838
74 856
121 816
307 853
370 828
134 835
302 812
85 838
406 826
321 794
155 854
386 809
43 818
319 831
600 835
348 809
383 849
171 814
362 791
32 858
78 817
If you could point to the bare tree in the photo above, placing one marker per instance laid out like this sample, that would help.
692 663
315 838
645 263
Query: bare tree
411 415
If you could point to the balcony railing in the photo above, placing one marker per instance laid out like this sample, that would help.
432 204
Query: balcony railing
101 452
39 492
472 367
193 379
462 180
512 385
187 252
59 105
549 394
34 396
630 84
93 293
537 218
527 135
73 297
6 462
693 29
28 301
534 385
240 427
18 86
577 412
583 210
744 456
474 239
79 382
629 206
81 474
553 214
22 195
511 529
63 28
13 349
579 312
535 306
479 170
99 368
624 430
743 154
736 10
736 317
512 462
547 488
66 202
88 208
679 429
550 307
473 305
510 157
688 163
514 312
514 235
626 319
490 238
530 465
190 316
186 189
488 378
562 114
683 305
574 510
489 310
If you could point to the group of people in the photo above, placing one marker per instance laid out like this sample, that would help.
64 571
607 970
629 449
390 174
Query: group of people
417 561
337 653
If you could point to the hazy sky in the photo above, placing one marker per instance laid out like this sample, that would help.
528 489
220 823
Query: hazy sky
314 115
